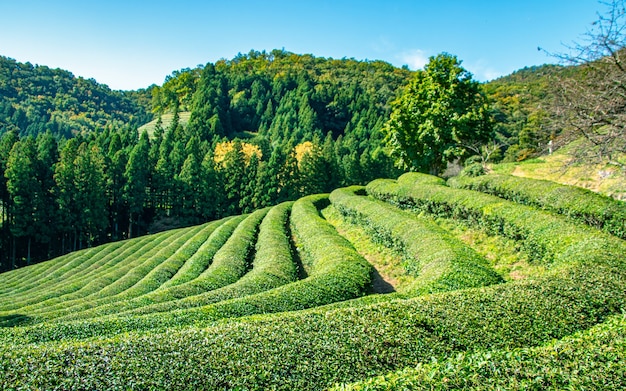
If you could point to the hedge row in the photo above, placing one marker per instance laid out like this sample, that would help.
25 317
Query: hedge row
338 273
107 269
548 238
317 348
590 360
201 260
164 265
119 280
22 279
579 204
438 260
27 290
135 282
272 266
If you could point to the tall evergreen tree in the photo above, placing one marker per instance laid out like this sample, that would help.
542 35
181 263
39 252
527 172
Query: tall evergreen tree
137 181
26 193
91 197
66 192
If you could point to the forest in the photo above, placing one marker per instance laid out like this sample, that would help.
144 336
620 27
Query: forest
263 128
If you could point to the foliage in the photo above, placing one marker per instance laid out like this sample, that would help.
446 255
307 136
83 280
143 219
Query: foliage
592 359
35 99
351 340
440 112
578 204
439 261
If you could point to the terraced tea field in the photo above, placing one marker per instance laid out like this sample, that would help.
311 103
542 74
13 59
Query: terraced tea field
496 283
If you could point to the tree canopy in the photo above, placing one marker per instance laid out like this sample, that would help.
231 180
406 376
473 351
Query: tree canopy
440 113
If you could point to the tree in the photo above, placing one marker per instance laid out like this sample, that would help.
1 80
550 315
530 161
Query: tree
591 97
66 191
7 141
26 193
440 111
91 192
137 178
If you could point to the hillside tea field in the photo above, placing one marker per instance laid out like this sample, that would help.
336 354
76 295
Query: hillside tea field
498 283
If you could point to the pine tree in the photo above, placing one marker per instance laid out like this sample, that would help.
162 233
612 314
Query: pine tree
91 197
26 193
137 180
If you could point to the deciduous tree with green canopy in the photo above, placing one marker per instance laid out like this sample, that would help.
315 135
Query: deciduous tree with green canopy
439 113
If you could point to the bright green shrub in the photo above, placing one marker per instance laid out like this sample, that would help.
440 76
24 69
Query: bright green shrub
584 285
591 360
117 281
272 266
23 279
317 348
200 261
545 236
440 261
229 260
107 270
577 203
160 269
338 273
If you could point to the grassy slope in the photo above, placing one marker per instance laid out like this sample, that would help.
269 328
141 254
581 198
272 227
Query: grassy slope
167 121
603 179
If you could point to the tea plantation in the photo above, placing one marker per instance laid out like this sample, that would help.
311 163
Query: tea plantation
285 298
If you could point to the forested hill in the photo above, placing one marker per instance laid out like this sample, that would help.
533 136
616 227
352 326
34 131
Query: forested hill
263 128
35 99
283 96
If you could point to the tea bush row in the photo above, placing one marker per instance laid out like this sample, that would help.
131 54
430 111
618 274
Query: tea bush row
26 292
591 360
548 238
317 348
273 266
171 258
133 282
577 203
117 263
21 279
338 273
438 260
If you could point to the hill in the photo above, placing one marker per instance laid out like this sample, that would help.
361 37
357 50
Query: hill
514 283
234 136
35 99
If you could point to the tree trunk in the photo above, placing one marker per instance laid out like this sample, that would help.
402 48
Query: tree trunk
13 254
130 226
28 254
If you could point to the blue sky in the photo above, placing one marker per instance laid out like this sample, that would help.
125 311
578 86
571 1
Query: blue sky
129 44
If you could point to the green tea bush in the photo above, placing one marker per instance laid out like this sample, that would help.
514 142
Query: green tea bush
440 261
200 261
231 261
160 270
338 273
579 204
112 266
273 266
114 283
545 236
22 279
591 360
317 348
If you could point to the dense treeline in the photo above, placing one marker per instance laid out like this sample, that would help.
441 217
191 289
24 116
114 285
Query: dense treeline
264 128
35 99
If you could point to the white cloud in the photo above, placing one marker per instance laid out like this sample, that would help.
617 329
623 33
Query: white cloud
482 71
415 58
